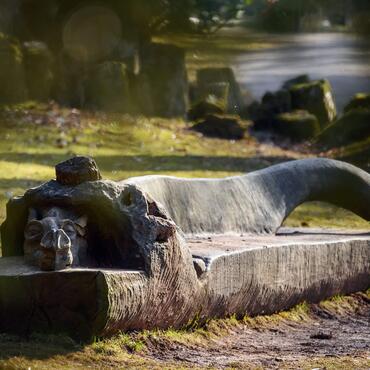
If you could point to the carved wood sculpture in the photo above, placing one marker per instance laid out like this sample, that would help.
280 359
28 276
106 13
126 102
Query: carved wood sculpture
158 251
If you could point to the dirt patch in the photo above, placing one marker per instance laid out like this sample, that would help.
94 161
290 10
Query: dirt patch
330 331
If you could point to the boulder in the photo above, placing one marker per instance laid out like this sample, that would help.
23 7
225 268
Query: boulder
216 81
358 101
163 67
12 77
351 127
316 97
272 104
107 87
38 62
217 93
221 126
297 125
278 102
301 79
261 115
202 109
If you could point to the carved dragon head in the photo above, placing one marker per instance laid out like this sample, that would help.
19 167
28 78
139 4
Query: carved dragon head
55 240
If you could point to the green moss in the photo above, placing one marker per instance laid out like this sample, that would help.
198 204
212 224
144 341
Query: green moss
297 125
315 97
353 126
360 100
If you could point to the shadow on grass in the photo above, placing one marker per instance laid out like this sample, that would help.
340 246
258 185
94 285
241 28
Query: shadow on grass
37 346
157 163
23 183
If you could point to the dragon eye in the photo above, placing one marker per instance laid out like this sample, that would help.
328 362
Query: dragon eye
33 230
69 228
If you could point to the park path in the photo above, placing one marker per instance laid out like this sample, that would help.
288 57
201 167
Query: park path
342 58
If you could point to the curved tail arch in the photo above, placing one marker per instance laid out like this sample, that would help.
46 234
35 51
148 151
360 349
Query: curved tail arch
260 201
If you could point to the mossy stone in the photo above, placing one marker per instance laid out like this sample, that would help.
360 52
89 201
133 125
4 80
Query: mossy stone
202 109
297 125
209 78
360 100
217 93
221 126
107 87
315 97
272 104
12 77
301 79
351 127
38 62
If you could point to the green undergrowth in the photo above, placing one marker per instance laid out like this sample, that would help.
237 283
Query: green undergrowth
128 350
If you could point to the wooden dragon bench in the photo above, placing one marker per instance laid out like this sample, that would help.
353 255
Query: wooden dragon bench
92 257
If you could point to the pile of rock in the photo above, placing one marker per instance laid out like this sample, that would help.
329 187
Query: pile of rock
158 86
348 136
352 127
299 110
217 102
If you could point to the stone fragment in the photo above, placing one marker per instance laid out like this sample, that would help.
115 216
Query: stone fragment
12 77
77 170
297 125
316 97
199 266
220 126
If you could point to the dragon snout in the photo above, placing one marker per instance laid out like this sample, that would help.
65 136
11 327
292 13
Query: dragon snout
56 240
56 250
